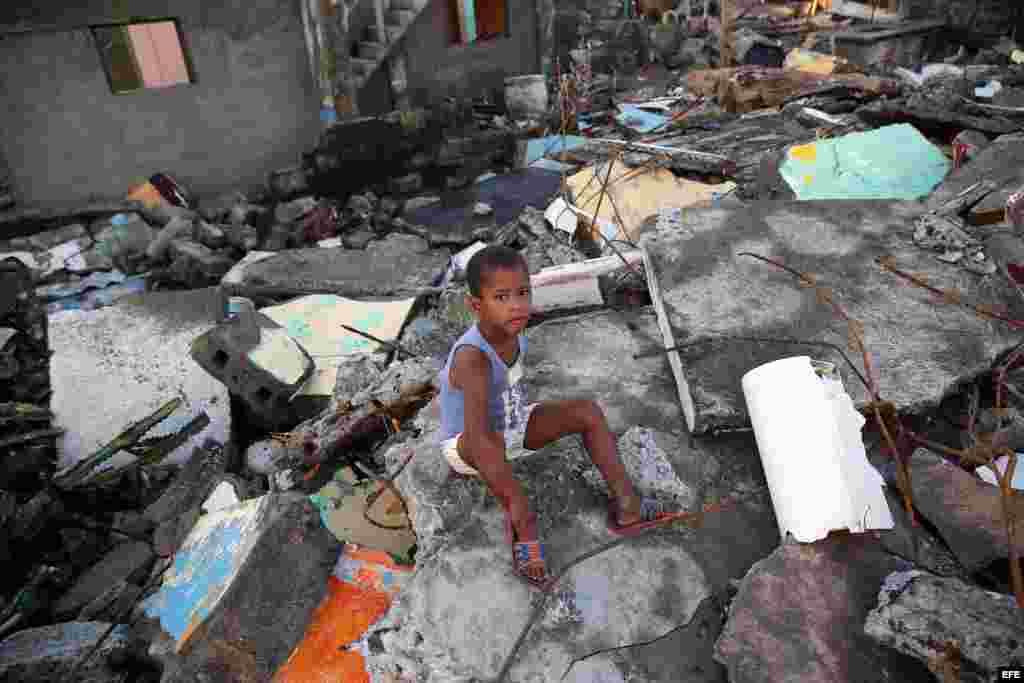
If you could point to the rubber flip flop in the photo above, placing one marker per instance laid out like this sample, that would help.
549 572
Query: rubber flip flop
651 515
526 553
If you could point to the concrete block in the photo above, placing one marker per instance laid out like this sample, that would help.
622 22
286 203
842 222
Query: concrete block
126 562
918 614
401 265
113 366
242 588
196 265
966 511
703 289
51 653
822 591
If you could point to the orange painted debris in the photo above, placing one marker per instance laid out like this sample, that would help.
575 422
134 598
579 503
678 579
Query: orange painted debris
345 614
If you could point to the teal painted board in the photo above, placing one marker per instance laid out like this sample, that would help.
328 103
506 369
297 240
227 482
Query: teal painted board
538 148
204 568
893 162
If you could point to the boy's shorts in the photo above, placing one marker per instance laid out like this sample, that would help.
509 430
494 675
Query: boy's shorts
514 446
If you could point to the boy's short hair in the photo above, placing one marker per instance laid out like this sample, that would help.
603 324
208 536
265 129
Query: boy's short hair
489 259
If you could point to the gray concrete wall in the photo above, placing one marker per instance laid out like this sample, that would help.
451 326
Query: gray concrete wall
253 108
438 69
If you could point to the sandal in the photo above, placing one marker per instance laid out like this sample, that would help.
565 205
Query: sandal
525 555
652 514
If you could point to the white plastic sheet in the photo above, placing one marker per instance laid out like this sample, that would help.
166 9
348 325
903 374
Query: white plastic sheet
809 437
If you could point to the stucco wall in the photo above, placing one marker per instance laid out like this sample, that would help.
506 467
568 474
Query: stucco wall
438 69
253 108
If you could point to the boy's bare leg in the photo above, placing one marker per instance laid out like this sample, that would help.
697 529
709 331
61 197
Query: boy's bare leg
552 420
489 460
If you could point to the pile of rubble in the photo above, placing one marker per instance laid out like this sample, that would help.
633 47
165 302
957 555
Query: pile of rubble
683 228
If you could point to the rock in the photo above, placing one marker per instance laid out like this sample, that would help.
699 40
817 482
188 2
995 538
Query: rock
402 380
438 624
175 230
390 206
407 184
33 516
244 238
210 235
840 242
914 543
799 614
173 531
162 214
294 210
288 182
966 511
131 522
358 239
360 204
52 653
218 209
1005 249
193 484
381 222
197 266
919 613
260 457
126 561
400 265
416 203
114 604
124 240
82 547
242 589
356 374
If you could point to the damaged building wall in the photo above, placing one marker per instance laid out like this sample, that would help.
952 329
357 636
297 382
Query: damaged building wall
438 68
251 108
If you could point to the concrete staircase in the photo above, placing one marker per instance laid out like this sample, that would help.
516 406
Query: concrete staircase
394 17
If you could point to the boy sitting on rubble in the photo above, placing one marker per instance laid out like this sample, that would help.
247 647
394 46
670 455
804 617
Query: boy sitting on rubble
485 424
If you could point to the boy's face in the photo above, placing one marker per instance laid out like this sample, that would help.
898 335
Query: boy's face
504 300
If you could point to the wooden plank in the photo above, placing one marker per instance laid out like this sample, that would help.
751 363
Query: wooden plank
669 339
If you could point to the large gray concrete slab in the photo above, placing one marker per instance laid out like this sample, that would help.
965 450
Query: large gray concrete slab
401 265
253 106
114 366
591 356
702 288
799 616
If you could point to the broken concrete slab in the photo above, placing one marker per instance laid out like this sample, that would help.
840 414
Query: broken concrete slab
196 480
591 356
634 592
919 613
195 265
915 543
400 265
113 604
1002 162
966 511
241 590
799 615
129 561
177 228
113 366
51 653
702 289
